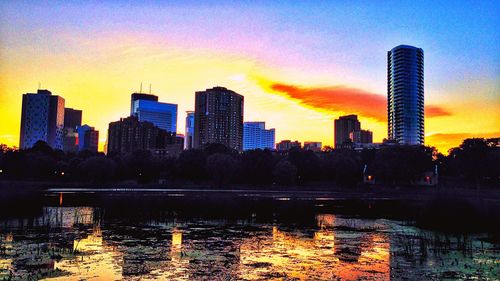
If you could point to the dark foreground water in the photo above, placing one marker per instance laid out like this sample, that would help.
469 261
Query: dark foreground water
76 237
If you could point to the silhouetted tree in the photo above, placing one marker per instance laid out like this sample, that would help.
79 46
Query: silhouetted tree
307 163
41 146
213 148
141 165
342 167
191 165
402 164
257 166
475 159
168 168
285 173
327 149
97 169
221 168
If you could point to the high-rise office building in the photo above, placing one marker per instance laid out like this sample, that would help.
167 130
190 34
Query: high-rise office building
218 118
361 136
140 96
286 145
405 95
72 120
88 138
129 134
188 138
313 146
343 127
163 115
255 136
42 118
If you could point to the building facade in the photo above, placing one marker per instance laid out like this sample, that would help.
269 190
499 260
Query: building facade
361 136
256 136
313 146
129 135
163 115
42 118
405 95
140 96
72 120
189 134
343 127
218 118
88 138
286 145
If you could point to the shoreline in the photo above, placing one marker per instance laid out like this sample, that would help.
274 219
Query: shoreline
10 189
436 208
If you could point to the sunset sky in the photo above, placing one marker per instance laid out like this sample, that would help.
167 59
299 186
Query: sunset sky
299 64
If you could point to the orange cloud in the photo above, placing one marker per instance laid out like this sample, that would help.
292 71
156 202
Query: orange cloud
341 98
435 111
337 98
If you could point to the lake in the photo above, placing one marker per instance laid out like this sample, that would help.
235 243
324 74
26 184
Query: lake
179 236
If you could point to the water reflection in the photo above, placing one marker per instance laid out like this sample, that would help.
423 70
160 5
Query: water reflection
74 243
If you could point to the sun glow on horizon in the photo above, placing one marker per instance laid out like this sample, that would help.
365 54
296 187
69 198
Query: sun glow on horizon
298 82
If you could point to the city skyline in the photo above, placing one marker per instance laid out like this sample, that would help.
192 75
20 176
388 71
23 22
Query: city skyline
296 81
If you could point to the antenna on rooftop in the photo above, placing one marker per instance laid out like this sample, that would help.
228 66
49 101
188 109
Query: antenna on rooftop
140 91
150 88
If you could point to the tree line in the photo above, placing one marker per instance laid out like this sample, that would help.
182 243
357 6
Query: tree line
475 160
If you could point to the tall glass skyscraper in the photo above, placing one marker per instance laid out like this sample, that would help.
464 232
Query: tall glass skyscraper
140 96
163 115
405 95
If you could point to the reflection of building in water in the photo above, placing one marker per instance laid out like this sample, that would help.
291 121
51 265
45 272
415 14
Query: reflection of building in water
176 239
325 220
66 216
178 267
213 251
318 255
144 250
99 259
5 249
54 217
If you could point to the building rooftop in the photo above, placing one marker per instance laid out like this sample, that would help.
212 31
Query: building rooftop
405 47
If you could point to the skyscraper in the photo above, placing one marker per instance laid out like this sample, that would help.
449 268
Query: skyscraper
361 136
72 120
188 139
163 115
42 118
405 95
343 127
88 138
129 134
255 136
218 118
140 96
